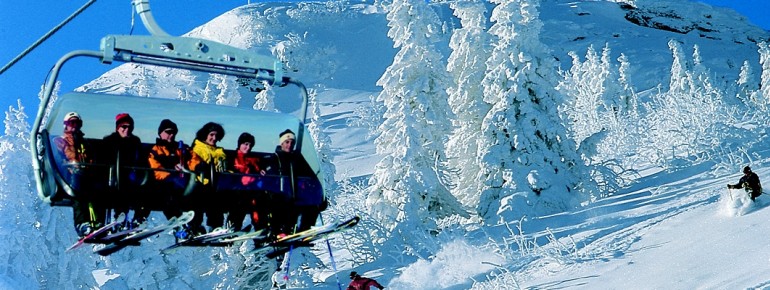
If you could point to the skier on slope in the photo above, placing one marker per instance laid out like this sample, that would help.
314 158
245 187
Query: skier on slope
362 283
749 182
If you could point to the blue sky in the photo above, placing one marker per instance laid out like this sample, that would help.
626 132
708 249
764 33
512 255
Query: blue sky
755 10
23 22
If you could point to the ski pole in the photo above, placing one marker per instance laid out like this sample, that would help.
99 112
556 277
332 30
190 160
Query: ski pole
291 249
181 153
331 255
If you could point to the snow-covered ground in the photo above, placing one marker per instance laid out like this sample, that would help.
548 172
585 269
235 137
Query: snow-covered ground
672 228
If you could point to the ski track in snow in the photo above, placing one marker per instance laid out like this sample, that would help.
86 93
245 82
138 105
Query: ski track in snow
616 229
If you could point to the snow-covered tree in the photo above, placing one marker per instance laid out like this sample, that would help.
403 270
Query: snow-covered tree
264 100
689 119
628 99
764 61
529 165
470 49
584 85
406 186
206 92
323 143
23 225
597 98
228 90
747 87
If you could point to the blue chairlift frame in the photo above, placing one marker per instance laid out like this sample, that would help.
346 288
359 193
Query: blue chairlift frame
168 51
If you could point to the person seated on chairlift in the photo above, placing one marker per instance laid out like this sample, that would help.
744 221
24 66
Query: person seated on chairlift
206 158
124 148
166 156
291 164
246 163
75 151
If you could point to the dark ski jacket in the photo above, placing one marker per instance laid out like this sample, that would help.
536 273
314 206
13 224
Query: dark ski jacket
130 150
749 182
127 151
292 163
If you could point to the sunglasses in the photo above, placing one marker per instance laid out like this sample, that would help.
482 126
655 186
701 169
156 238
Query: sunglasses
125 126
170 132
77 123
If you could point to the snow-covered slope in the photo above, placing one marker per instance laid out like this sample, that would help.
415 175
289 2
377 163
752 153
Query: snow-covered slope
672 229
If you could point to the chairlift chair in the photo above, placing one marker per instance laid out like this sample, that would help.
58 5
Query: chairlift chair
57 187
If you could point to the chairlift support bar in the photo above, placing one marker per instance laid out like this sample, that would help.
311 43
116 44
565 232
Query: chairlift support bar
192 54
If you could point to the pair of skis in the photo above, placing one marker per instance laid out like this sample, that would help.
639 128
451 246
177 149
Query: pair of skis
224 237
262 244
92 237
133 238
216 238
119 240
303 239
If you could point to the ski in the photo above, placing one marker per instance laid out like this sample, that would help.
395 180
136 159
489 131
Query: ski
246 236
112 237
304 238
219 238
200 240
92 237
136 237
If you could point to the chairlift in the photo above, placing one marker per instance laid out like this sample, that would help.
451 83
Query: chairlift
102 181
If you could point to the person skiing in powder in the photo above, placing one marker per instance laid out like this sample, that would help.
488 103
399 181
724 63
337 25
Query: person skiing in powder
749 182
362 283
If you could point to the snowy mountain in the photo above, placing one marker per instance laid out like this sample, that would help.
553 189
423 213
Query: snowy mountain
663 102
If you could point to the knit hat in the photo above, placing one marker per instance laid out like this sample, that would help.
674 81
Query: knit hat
746 169
167 124
245 137
288 134
123 118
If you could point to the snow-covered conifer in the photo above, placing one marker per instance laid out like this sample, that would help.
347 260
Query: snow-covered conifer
264 100
764 61
529 165
323 142
470 49
747 86
228 91
584 86
20 209
406 186
679 68
628 98
688 119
